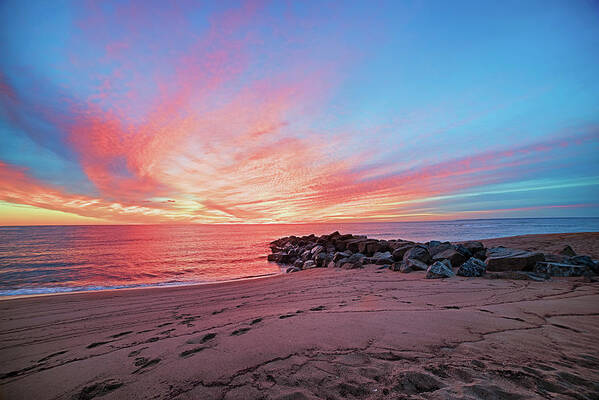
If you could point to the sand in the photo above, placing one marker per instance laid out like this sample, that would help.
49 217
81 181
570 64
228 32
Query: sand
321 333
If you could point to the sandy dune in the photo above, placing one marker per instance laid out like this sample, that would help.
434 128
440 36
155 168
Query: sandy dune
321 333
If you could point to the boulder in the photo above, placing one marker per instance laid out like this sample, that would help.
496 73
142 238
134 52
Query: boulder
341 254
477 249
306 255
281 258
400 251
316 249
556 269
436 247
298 263
292 269
340 262
585 260
321 259
472 267
474 246
506 259
463 251
395 244
567 251
438 270
452 255
354 244
356 257
309 264
418 252
369 247
558 258
350 265
409 265
381 258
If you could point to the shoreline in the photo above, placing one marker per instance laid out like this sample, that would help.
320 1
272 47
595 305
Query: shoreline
512 241
165 286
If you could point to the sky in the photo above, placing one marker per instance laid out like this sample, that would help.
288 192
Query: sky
297 111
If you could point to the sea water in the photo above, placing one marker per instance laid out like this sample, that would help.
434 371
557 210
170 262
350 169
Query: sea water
50 259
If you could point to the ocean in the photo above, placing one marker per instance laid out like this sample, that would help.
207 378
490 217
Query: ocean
52 259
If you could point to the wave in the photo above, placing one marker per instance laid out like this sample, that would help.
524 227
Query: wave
74 289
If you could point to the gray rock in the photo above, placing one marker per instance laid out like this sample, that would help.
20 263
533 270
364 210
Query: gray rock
434 243
281 258
463 251
474 246
436 247
452 255
585 260
506 259
558 258
349 265
354 244
409 265
317 249
399 251
477 249
298 264
556 269
355 258
382 258
321 259
292 269
369 247
306 255
418 252
340 262
341 254
309 264
567 251
472 267
438 270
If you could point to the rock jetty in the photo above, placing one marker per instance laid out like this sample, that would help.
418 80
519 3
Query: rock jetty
438 259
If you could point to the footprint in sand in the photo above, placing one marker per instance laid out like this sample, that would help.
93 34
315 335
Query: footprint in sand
96 344
51 355
257 320
98 389
319 308
203 339
145 364
287 316
121 334
136 352
240 331
191 352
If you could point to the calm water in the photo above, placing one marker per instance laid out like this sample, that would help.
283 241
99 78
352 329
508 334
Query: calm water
72 258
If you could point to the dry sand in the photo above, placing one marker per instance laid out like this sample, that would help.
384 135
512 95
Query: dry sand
321 333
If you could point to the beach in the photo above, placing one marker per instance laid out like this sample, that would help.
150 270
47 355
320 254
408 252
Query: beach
319 333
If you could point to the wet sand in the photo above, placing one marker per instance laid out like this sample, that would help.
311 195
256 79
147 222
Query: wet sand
320 333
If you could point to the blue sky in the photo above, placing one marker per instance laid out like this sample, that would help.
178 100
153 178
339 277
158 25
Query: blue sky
297 111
